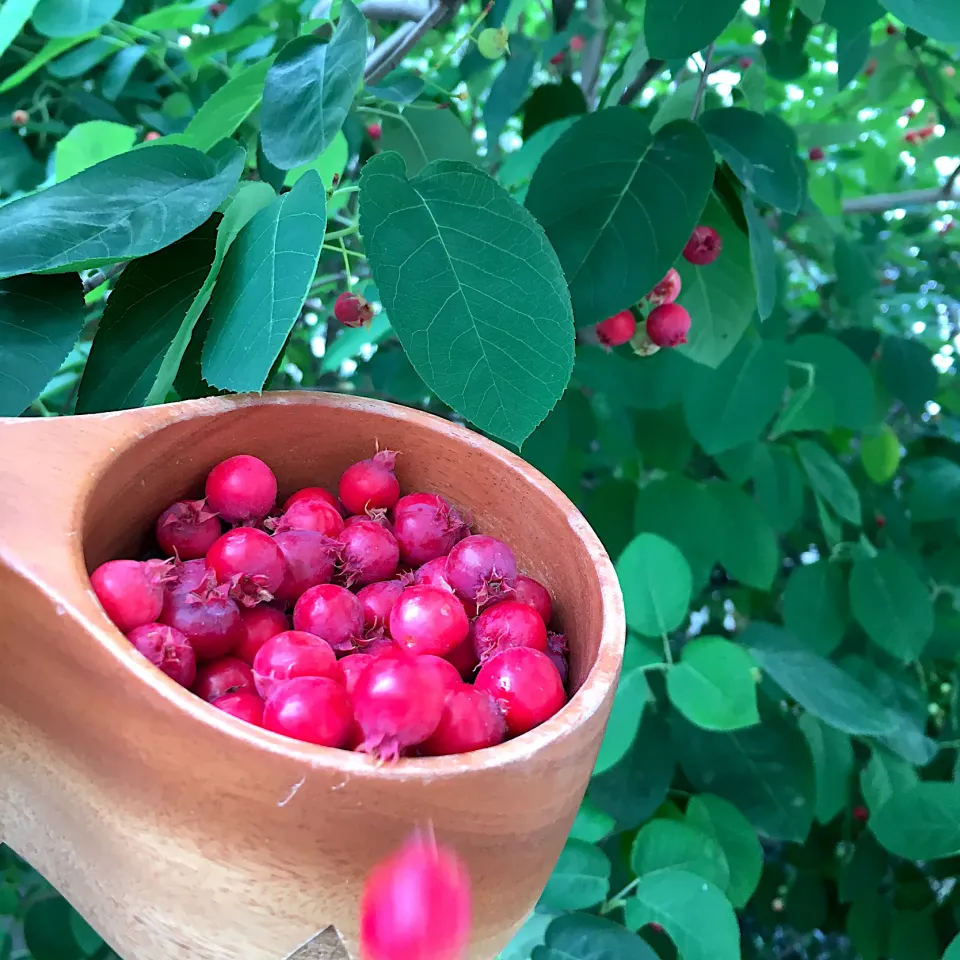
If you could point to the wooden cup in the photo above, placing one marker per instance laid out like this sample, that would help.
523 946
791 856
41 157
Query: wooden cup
180 832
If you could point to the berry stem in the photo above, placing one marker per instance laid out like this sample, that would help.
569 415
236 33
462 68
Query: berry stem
617 899
702 86
667 652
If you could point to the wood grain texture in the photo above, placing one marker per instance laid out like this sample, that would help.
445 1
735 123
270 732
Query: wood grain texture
180 832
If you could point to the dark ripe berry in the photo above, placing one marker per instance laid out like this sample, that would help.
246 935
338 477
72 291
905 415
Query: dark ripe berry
309 558
130 592
428 620
244 705
703 247
432 575
666 291
446 671
481 568
241 489
880 520
310 514
816 153
377 600
352 666
891 30
368 552
259 624
223 676
371 516
416 905
167 649
311 709
190 575
249 562
330 612
526 685
464 657
380 646
861 814
397 702
370 484
667 326
426 527
352 310
559 655
871 68
471 720
533 594
215 9
293 654
745 62
187 529
508 624
558 58
210 621
312 493
618 329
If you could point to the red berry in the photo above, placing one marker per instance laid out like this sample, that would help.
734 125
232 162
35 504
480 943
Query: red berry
312 493
310 514
190 575
331 612
428 620
666 291
618 329
130 592
244 705
508 624
816 153
558 58
368 552
667 326
745 62
371 516
533 594
311 709
379 645
880 520
216 9
559 654
431 574
309 561
525 684
19 118
925 133
241 489
293 653
861 814
891 30
577 43
446 671
397 702
375 131
464 657
416 905
871 68
370 483
352 310
151 135
703 247
910 136
223 676
377 600
249 562
209 619
426 527
259 624
167 649
187 529
481 568
471 720
352 666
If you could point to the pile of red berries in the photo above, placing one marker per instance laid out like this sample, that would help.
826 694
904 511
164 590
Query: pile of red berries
409 635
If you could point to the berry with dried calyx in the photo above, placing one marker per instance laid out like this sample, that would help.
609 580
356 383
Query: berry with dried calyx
310 560
352 310
207 617
481 568
816 154
426 527
510 623
368 552
187 529
703 247
250 562
377 600
130 592
309 513
667 326
167 649
371 484
617 330
333 613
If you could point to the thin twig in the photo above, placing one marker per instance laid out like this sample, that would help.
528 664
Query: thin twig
881 202
391 52
702 85
593 51
101 276
636 86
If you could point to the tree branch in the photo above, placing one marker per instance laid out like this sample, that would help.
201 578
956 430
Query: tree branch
881 202
593 51
411 10
99 277
702 85
636 86
391 52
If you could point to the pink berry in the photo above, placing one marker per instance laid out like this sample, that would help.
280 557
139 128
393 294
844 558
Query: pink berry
375 130
667 326
525 684
370 483
351 309
309 561
416 905
426 527
210 620
311 709
446 671
481 568
188 529
189 575
312 493
241 489
330 612
223 676
464 657
250 562
471 720
167 649
666 291
368 552
431 574
352 666
130 592
244 705
618 329
260 623
577 43
533 594
816 153
703 247
397 702
310 514
428 620
559 654
371 516
508 624
293 654
377 600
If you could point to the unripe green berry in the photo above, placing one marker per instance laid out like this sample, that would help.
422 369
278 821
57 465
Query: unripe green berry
492 43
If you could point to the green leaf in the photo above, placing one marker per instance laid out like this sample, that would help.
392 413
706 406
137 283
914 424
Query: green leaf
738 840
920 823
473 290
748 547
132 205
936 19
731 404
579 936
851 15
236 14
68 18
83 58
40 321
763 259
720 298
935 492
518 167
892 604
817 684
815 608
176 16
351 341
811 9
670 844
885 775
400 87
592 824
13 15
760 151
832 764
580 879
713 685
619 225
46 930
120 70
696 915
423 134
50 50
309 90
330 164
509 90
853 48
674 29
880 454
657 585
907 370
261 287
86 937
778 486
88 143
953 949
830 480
631 697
